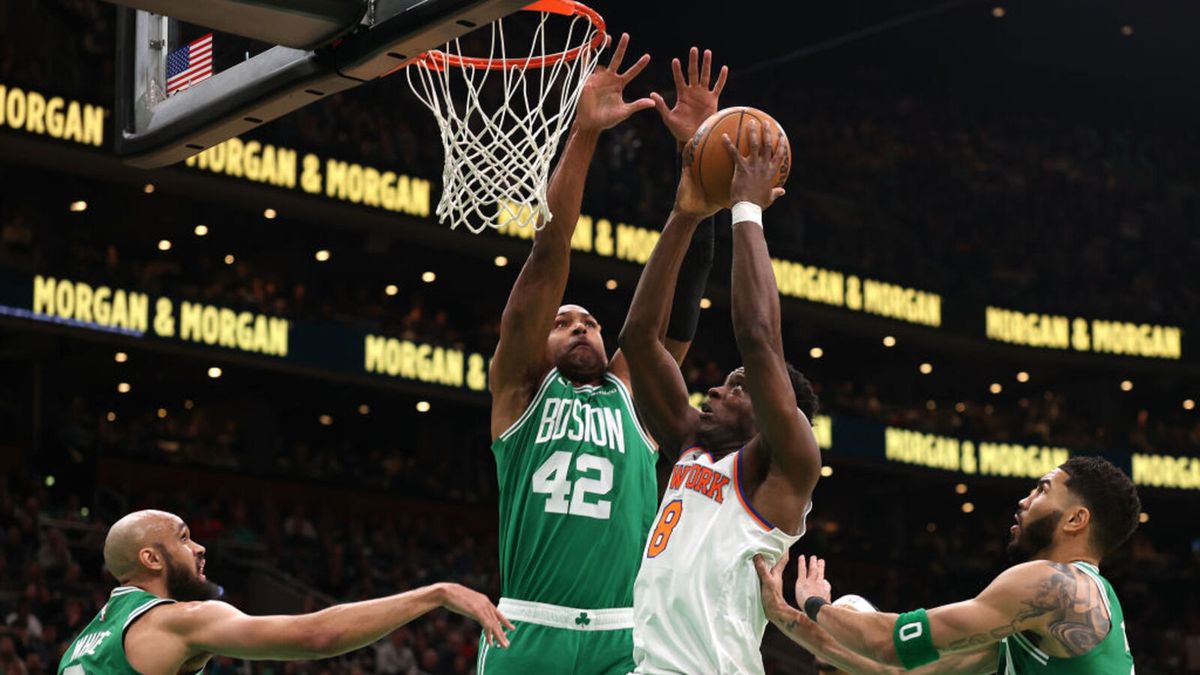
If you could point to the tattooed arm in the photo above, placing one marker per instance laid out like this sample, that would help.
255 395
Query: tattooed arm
1047 599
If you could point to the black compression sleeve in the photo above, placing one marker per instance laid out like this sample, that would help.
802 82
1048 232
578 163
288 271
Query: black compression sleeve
693 277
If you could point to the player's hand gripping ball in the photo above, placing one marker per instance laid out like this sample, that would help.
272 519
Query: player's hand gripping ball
709 163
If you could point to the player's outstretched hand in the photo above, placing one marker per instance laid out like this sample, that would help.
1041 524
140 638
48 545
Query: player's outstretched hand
810 580
695 99
771 584
754 175
469 603
602 102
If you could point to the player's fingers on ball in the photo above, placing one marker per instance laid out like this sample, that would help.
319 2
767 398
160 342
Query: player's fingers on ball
721 77
706 68
731 148
754 134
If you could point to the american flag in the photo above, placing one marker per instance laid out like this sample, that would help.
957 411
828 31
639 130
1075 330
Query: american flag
189 65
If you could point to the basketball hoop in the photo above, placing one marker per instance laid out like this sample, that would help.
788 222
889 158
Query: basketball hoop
498 155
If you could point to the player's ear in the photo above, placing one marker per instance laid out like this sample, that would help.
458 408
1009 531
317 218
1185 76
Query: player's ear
1077 519
151 558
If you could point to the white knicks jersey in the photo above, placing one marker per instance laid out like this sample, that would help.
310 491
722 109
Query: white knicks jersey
696 603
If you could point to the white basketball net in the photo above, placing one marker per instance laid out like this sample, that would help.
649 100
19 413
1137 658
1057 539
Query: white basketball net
498 160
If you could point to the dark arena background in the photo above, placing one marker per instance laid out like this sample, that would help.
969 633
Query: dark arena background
988 257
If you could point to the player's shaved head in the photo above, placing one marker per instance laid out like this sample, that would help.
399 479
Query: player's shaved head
131 534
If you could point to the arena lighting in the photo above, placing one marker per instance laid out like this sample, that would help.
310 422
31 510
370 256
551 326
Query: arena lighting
501 261
120 357
1022 376
123 388
960 489
705 303
391 289
325 420
995 388
85 512
148 188
228 258
1126 30
960 407
269 214
164 244
968 507
110 416
322 255
1189 404
423 406
364 409
214 372
162 412
50 481
889 341
931 404
816 352
611 284
428 277
1143 517
1126 385
188 404
998 12
925 368
78 206
827 471
931 527
201 230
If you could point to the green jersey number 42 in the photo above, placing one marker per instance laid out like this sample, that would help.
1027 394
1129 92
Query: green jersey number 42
564 497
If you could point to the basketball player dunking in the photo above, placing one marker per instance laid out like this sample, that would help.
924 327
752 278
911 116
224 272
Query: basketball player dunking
576 470
746 465
1052 613
163 618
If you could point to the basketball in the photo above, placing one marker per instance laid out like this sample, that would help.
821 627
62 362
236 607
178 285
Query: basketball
710 164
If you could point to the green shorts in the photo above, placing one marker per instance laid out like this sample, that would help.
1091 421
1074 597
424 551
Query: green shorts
587 648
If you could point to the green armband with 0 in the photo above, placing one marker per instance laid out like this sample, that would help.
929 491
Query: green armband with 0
914 644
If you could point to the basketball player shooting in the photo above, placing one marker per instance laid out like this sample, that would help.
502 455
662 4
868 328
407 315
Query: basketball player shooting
747 463
163 618
1052 613
575 468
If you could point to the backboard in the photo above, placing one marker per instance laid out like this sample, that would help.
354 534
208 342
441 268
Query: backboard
191 75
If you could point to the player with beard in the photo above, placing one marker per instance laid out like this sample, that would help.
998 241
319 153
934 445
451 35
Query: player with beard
1052 613
164 619
575 468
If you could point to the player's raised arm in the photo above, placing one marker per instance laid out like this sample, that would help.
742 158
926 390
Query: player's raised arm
658 385
785 432
1036 596
805 632
219 628
521 357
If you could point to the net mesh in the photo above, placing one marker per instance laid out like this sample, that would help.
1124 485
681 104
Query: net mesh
501 127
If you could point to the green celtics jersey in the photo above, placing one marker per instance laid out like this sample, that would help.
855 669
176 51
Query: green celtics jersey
577 496
1019 656
100 648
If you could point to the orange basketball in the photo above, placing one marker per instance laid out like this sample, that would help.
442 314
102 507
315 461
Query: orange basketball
710 164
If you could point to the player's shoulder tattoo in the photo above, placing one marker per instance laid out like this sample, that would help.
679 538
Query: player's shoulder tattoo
1061 598
1077 615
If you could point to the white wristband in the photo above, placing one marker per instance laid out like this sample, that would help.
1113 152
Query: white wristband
747 212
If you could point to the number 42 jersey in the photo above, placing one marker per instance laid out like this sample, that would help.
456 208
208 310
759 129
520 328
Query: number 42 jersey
577 496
